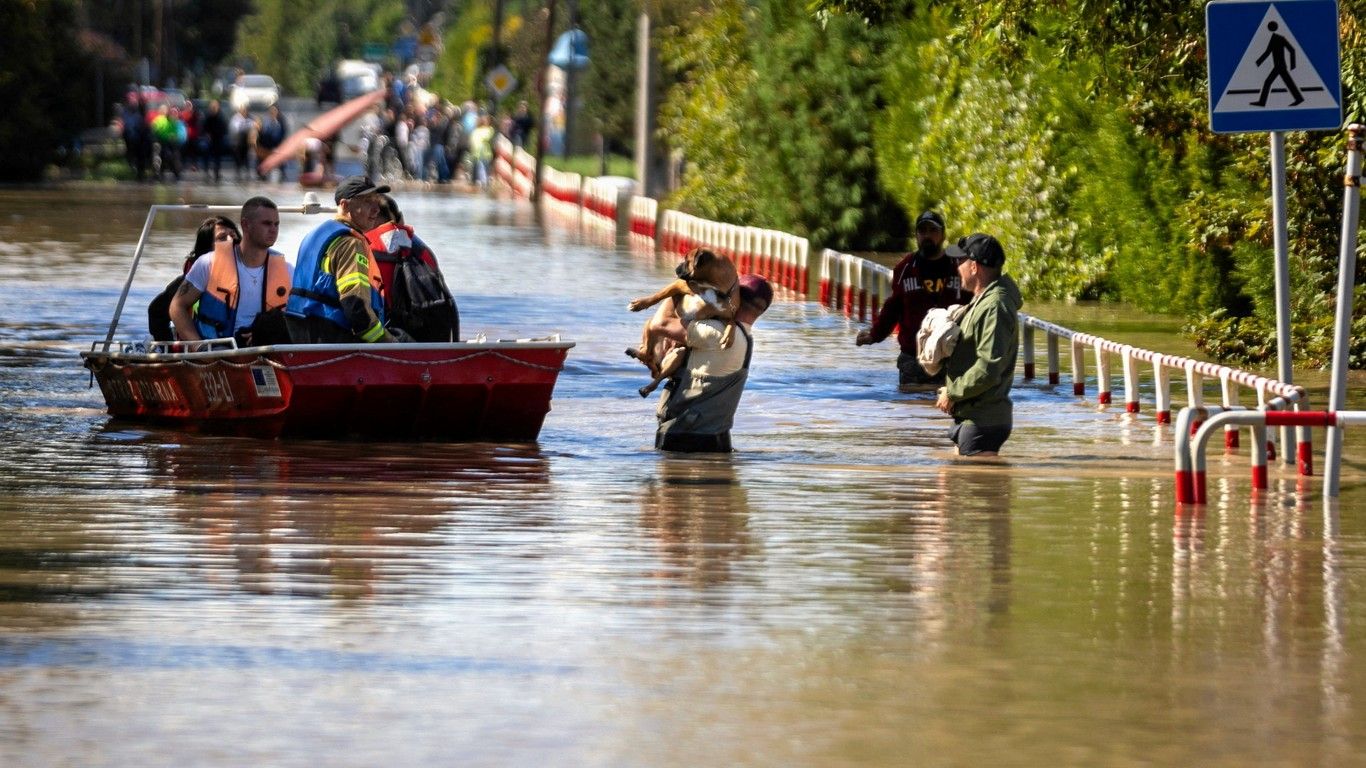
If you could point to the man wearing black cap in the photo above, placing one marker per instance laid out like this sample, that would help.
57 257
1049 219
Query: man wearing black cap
981 367
334 300
921 281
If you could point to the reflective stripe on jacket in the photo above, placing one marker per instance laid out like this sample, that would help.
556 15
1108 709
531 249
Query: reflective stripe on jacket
216 313
316 292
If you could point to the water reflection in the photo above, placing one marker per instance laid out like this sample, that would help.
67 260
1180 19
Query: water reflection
331 519
697 512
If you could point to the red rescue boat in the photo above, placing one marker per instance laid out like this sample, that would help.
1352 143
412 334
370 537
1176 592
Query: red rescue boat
470 390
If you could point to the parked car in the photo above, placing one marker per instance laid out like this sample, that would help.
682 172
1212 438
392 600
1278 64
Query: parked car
357 78
254 92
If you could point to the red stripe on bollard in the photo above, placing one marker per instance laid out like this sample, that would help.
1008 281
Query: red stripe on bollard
848 300
1198 484
1078 388
1305 454
1103 398
1164 417
1131 407
1270 450
1195 425
1230 439
825 291
1185 487
1029 371
1259 477
1054 378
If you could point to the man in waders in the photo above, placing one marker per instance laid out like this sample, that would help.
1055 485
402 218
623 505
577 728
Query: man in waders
921 281
698 407
981 367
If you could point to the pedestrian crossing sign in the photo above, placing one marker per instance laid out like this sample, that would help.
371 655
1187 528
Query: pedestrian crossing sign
1273 66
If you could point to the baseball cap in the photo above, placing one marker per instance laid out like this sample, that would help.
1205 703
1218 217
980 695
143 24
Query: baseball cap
753 287
355 186
983 249
930 217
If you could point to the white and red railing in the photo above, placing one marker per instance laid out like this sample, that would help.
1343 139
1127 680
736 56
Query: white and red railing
860 286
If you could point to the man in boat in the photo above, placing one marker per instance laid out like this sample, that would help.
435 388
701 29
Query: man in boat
698 406
235 284
416 298
333 300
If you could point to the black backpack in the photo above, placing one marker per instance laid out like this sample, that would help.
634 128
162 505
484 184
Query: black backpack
420 303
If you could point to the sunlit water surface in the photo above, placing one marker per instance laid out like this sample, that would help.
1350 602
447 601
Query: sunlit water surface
840 591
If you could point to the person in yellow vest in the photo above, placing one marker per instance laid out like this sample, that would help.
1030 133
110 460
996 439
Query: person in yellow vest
235 283
335 298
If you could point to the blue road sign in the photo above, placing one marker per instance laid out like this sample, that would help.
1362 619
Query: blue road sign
1273 66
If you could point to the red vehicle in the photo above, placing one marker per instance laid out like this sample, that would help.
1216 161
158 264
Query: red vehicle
469 390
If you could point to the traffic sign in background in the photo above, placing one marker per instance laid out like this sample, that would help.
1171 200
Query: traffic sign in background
1273 66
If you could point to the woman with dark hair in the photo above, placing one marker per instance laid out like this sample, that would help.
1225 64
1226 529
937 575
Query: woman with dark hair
215 229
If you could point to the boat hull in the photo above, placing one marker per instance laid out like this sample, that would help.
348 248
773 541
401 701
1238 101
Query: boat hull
496 391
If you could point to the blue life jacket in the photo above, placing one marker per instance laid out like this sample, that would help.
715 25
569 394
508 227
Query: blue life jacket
315 289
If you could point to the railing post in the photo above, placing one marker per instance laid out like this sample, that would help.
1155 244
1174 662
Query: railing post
1130 379
1027 349
1102 372
1185 472
1162 389
1054 364
1229 391
1078 367
1259 457
1304 448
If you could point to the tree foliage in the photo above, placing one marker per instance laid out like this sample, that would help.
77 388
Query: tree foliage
42 73
296 41
784 102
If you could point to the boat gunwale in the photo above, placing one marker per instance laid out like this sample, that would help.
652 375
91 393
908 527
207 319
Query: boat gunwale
279 349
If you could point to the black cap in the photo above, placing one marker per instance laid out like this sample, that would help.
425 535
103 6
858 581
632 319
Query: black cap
355 186
983 249
930 217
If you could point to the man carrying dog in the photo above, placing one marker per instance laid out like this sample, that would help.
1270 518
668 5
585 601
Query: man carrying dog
981 367
921 281
698 407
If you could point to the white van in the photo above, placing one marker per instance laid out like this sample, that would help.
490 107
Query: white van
357 77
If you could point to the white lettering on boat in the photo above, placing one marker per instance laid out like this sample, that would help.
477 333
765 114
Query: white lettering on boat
217 388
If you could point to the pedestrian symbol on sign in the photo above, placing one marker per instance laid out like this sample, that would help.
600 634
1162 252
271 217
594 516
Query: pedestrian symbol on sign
1278 49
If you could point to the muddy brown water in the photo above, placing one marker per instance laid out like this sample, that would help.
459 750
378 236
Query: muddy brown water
841 591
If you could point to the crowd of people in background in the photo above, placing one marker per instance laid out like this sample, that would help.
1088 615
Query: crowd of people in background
413 133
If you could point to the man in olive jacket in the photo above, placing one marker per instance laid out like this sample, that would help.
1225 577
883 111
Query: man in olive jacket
981 367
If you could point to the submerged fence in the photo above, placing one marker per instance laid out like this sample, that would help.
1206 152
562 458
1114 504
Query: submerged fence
859 287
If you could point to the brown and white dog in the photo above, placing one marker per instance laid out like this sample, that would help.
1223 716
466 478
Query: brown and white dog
707 287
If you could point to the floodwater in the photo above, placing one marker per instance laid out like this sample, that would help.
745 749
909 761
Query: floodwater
839 592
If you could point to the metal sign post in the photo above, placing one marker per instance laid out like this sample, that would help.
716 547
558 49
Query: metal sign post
1275 66
1281 240
1342 331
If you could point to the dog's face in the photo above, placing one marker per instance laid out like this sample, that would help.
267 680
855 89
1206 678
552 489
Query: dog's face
696 263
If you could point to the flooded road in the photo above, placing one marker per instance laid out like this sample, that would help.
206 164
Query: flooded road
840 591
